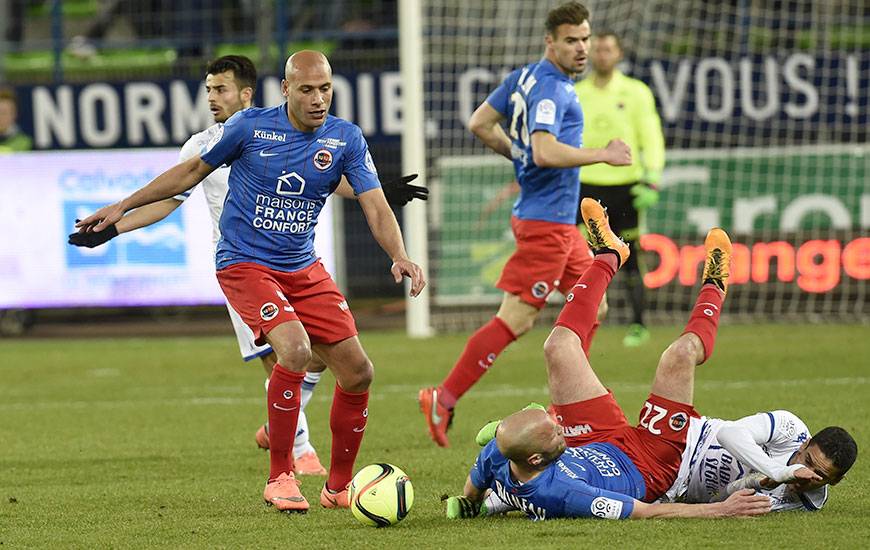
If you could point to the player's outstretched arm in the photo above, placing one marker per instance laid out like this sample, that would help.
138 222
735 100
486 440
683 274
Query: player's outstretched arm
385 229
743 439
177 179
138 218
549 152
485 123
743 503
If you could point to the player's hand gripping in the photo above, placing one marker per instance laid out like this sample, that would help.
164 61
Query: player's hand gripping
94 238
101 219
406 268
400 193
617 153
745 503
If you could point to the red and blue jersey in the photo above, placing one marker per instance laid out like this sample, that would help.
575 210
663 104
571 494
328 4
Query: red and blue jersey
595 480
539 97
280 178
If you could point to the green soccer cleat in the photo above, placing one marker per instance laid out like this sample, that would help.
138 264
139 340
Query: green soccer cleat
638 335
487 433
462 508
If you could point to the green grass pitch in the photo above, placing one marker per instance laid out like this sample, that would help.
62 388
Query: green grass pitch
149 442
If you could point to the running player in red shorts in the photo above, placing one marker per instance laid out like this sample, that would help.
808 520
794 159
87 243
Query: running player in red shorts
593 463
544 142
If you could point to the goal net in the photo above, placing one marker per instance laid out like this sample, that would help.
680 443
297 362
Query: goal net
764 106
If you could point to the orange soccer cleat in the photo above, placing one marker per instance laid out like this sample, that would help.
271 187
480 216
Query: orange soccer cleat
283 493
601 236
328 499
717 264
308 465
438 417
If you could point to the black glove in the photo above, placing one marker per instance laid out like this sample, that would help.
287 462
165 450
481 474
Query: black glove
93 239
399 193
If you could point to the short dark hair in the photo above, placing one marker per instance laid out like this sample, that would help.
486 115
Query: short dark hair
839 447
244 71
607 33
571 13
8 94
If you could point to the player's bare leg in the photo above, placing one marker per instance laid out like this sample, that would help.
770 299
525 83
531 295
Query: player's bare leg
675 375
349 414
293 350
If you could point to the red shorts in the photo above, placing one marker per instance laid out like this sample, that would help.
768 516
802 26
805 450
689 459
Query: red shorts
265 298
655 445
549 256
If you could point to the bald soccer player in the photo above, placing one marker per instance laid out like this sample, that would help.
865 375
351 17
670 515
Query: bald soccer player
285 161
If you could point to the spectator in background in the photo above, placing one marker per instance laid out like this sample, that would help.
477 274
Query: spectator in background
11 137
616 106
190 26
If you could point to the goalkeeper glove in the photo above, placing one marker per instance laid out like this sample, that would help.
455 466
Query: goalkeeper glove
400 193
94 238
645 195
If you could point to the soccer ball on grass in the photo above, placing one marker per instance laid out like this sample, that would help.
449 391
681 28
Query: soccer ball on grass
380 495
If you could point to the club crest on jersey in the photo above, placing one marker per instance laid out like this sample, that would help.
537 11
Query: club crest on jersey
678 421
268 311
540 289
323 159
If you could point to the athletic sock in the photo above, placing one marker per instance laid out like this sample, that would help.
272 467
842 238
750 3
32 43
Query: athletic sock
308 384
586 343
347 420
580 313
704 320
283 402
478 356
301 444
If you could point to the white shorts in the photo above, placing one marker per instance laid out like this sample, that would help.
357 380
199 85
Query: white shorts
245 336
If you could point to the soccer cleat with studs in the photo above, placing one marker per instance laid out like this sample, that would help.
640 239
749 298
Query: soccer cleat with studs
329 499
283 493
717 264
461 507
438 417
601 236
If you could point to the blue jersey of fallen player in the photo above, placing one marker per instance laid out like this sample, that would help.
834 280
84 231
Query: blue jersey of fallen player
539 97
595 480
280 178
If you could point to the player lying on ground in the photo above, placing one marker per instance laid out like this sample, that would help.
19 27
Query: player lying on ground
770 452
595 464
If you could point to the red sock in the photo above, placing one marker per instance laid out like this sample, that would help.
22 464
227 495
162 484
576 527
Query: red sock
586 343
347 420
479 354
283 402
704 319
580 313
